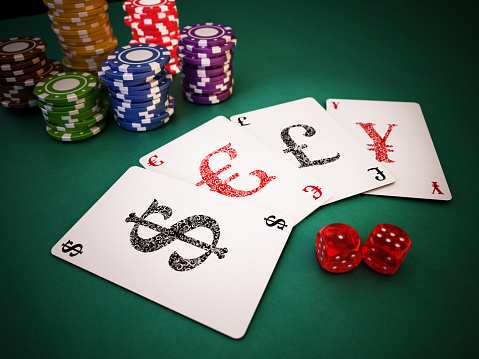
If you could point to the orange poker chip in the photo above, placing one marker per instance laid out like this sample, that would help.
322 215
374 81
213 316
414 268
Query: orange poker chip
80 14
73 22
67 5
80 40
95 50
84 30
89 47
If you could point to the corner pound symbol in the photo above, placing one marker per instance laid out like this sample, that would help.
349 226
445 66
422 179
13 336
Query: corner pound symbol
380 174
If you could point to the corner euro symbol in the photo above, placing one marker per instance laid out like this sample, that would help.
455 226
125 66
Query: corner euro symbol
317 193
217 185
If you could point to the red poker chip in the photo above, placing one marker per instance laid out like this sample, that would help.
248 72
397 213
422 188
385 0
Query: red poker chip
152 6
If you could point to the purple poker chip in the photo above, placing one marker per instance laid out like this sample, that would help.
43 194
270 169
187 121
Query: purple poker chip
224 77
201 61
199 84
208 99
204 71
181 49
211 49
206 34
207 90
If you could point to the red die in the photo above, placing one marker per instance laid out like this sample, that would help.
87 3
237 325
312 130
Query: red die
385 248
338 247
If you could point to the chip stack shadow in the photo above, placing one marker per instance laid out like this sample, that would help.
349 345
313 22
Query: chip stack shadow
154 22
84 32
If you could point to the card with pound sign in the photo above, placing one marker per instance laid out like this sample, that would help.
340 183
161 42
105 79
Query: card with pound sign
192 251
396 136
219 157
303 133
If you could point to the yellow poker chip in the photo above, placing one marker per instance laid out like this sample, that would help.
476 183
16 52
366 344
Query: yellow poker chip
84 41
79 39
75 67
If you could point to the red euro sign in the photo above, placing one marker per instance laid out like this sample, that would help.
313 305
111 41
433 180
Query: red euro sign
216 184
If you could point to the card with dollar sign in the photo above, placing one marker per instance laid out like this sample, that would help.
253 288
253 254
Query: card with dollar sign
220 157
396 136
192 251
303 133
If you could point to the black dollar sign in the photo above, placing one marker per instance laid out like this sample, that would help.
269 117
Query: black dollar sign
271 222
74 249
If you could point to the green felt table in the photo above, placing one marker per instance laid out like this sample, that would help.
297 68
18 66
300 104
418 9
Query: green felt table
414 51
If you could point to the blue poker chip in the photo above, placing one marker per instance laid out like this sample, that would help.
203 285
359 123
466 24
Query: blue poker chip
132 114
120 83
139 104
139 58
164 78
137 97
149 123
127 76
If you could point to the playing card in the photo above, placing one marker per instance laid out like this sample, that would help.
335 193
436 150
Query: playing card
303 133
396 135
222 158
189 250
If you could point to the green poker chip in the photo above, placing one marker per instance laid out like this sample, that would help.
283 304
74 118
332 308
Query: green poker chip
76 135
66 87
83 124
85 102
89 112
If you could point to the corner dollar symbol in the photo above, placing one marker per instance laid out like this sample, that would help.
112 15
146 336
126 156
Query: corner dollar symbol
271 221
315 190
177 231
73 249
211 178
297 150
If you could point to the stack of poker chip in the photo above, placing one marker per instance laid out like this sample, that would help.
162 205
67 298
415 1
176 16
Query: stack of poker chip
138 83
154 22
23 64
84 32
72 106
206 56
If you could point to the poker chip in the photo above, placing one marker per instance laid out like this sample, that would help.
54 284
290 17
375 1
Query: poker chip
146 124
84 32
206 34
22 65
72 106
138 84
205 55
155 22
208 99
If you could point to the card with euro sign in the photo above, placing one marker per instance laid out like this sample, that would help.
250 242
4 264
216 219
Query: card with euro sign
219 157
303 133
192 251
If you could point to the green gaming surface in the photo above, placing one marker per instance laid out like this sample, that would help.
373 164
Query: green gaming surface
404 51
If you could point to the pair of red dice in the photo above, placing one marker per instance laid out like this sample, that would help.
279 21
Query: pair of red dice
339 249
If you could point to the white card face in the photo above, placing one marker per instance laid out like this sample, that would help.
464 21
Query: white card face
199 254
396 135
308 137
222 158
